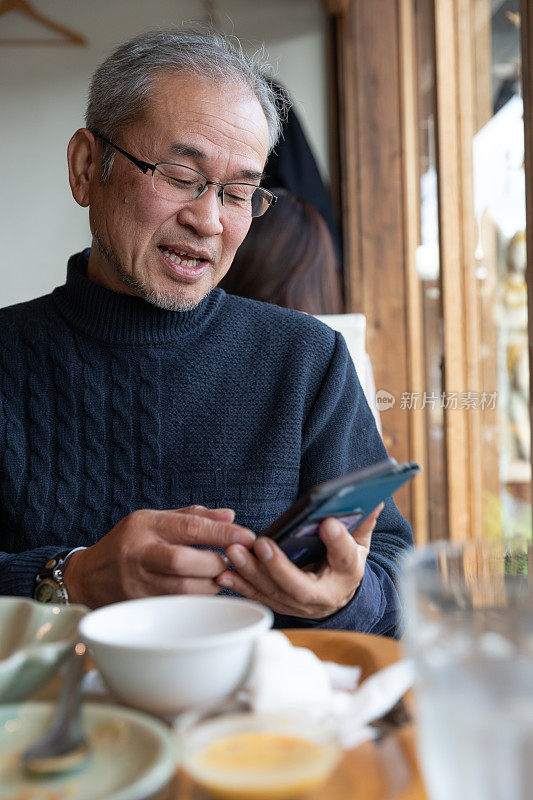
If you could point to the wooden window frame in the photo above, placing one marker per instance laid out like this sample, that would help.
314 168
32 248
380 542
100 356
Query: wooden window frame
373 42
526 13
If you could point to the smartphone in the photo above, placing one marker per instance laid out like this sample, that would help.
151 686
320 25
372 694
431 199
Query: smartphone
350 499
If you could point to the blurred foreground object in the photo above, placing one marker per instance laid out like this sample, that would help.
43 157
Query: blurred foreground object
469 613
34 640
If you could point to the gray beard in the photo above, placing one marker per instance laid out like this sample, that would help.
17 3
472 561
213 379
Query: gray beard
168 301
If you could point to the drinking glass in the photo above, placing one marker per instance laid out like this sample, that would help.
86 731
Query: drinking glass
469 631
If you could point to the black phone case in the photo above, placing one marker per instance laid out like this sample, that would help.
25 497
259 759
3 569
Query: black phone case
350 498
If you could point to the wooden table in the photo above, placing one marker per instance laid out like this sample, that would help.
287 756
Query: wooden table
372 771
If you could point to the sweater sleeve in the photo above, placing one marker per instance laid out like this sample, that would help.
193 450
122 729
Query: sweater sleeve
18 570
340 435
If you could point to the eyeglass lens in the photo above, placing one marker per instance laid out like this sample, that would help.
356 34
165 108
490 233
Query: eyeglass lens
177 183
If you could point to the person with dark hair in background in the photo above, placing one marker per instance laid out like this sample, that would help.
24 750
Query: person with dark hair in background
288 258
291 165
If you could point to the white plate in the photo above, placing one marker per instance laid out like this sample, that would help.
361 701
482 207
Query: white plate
131 755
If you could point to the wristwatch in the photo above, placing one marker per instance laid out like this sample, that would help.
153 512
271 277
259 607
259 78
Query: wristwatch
49 586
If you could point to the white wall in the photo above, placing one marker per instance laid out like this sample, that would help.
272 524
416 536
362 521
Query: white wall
43 91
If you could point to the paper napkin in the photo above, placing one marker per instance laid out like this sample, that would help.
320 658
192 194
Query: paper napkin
284 678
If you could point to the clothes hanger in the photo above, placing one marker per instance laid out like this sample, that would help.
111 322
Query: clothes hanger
26 8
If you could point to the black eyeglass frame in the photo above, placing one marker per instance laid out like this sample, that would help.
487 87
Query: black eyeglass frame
144 166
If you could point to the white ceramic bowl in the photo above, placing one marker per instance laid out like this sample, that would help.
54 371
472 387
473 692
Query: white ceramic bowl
167 654
34 639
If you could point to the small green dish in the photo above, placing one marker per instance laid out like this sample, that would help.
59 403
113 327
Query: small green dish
34 639
131 755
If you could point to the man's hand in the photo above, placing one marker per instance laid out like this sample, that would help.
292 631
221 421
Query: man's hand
150 553
270 578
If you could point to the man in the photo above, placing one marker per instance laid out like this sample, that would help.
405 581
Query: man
148 421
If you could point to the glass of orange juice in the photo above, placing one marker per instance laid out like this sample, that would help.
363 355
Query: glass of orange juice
235 754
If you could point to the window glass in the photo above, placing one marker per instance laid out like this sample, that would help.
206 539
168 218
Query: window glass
500 224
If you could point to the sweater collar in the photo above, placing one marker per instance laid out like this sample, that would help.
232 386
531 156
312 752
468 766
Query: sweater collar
121 318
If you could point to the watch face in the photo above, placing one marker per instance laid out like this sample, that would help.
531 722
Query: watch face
47 592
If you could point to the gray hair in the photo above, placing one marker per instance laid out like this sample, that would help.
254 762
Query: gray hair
122 84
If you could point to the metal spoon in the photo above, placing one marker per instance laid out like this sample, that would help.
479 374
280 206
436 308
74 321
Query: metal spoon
63 746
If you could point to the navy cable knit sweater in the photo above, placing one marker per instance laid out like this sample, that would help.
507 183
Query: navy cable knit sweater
108 404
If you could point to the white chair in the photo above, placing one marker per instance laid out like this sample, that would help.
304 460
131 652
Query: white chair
353 328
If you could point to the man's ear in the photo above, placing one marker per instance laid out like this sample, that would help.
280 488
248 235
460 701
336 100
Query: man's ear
83 165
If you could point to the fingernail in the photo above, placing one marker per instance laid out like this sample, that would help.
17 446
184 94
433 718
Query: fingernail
263 550
245 537
237 557
226 582
225 559
333 528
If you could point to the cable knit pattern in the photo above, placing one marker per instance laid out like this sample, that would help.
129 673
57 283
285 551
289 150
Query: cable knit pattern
64 369
150 426
96 488
39 431
12 454
108 404
122 448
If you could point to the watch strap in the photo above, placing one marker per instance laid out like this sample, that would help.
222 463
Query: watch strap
51 576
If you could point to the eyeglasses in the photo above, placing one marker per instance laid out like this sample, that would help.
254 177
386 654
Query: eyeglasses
177 183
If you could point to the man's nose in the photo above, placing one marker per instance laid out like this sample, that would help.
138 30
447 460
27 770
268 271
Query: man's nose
204 214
